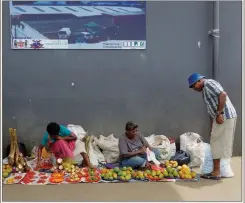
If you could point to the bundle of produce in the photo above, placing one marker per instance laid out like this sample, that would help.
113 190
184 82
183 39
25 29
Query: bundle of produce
57 177
154 175
91 175
123 174
172 164
6 170
16 158
64 165
139 175
185 172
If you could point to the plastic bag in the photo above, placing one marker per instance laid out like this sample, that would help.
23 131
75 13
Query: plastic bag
162 143
188 138
196 152
151 157
150 139
109 146
207 166
77 130
181 157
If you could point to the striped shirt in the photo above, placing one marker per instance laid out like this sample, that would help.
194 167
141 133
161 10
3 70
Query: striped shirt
211 91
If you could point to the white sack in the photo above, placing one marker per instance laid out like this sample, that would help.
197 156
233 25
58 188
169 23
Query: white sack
77 130
109 146
188 138
207 166
192 144
162 143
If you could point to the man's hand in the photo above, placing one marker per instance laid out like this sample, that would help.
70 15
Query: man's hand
142 150
219 119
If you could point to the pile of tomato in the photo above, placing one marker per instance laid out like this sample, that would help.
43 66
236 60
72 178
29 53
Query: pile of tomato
29 177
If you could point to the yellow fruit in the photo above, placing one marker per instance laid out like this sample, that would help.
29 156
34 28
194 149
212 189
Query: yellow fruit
182 176
179 168
180 173
185 166
193 174
122 178
5 174
128 172
124 173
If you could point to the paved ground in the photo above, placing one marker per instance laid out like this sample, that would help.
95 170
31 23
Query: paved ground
229 189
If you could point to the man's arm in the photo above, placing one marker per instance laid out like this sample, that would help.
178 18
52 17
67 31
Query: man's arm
216 89
221 101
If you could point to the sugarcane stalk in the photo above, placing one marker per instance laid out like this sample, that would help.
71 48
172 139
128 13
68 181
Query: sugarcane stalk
17 152
12 148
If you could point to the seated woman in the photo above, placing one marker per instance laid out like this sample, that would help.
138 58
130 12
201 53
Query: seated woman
132 148
63 143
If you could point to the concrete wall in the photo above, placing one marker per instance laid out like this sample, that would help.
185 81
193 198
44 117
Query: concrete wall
112 87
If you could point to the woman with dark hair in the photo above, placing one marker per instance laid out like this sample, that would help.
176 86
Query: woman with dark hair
63 144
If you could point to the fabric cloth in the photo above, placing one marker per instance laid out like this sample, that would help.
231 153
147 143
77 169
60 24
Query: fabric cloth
222 137
64 131
68 149
211 91
138 161
131 145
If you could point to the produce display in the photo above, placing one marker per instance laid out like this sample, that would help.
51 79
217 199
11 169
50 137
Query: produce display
66 171
6 170
16 158
123 174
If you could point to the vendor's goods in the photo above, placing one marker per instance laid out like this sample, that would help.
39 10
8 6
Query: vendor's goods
123 174
92 179
57 175
172 164
154 175
29 178
56 180
139 175
73 178
16 158
14 178
6 170
186 173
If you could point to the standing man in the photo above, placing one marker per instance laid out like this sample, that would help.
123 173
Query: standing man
223 119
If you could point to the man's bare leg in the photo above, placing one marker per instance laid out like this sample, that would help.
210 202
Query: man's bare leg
86 162
216 170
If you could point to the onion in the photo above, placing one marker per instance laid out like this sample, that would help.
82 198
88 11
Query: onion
60 167
59 161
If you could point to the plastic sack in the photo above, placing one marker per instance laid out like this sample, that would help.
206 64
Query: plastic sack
77 130
196 152
150 139
188 138
181 157
162 143
97 152
207 166
109 146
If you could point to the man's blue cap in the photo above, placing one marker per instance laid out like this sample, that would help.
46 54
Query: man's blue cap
194 77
